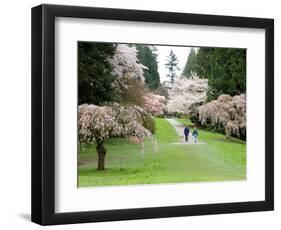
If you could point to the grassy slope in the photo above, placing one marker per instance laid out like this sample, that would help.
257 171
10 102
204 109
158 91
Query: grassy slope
221 159
230 151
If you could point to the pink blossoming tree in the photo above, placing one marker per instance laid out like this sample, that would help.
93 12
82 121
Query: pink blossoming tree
226 112
97 123
154 104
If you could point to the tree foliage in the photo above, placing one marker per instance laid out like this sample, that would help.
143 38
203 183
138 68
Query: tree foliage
227 113
97 123
185 93
190 65
104 70
172 66
97 83
225 68
147 56
162 90
132 91
125 62
154 104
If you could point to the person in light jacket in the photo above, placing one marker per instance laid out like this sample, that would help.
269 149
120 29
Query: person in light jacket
195 134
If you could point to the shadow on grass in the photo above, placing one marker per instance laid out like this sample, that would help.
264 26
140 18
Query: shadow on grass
109 171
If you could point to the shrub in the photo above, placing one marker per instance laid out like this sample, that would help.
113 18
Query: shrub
149 123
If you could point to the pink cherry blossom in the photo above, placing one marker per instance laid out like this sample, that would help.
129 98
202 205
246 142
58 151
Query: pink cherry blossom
228 112
154 104
97 123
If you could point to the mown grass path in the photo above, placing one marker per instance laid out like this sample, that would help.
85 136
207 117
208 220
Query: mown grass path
179 127
161 161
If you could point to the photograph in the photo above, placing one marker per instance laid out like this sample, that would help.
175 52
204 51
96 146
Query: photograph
154 114
141 114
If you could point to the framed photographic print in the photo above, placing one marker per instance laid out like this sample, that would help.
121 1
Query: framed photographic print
142 114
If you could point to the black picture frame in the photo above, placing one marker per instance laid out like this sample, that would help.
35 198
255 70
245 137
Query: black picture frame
43 114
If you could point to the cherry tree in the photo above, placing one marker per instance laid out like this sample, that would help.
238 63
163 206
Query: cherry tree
126 63
154 103
185 93
226 112
98 123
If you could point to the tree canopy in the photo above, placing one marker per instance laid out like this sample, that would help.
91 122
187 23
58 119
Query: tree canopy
126 63
96 80
190 65
227 113
147 56
154 104
225 68
98 123
172 66
104 71
185 93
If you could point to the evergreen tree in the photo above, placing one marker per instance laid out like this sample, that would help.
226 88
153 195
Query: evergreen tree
148 57
190 65
172 66
96 81
225 68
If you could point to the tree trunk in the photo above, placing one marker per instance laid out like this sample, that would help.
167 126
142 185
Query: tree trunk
101 150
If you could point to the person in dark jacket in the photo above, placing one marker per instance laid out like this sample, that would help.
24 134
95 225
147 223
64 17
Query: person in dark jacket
195 135
186 133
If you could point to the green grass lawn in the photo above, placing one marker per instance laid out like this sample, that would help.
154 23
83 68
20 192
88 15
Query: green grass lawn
127 163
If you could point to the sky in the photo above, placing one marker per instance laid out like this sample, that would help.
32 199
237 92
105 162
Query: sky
163 51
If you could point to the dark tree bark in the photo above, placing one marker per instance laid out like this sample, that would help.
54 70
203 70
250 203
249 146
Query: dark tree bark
101 150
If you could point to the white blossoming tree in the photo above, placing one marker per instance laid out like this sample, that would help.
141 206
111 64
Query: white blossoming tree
185 93
226 112
126 63
154 104
97 123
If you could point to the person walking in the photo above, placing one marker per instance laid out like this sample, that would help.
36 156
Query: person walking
186 133
195 134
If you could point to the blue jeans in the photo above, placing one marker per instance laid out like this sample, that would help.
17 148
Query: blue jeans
195 137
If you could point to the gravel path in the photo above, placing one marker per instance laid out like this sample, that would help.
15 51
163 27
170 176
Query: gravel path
179 129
